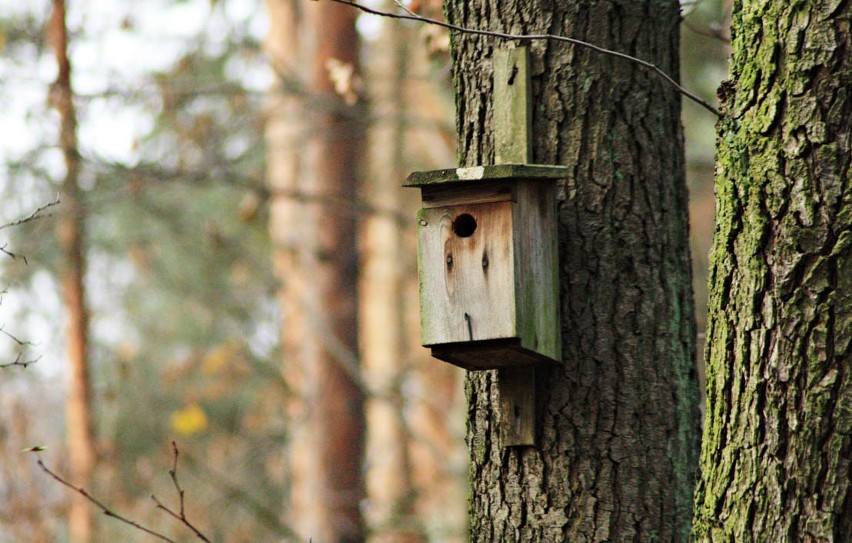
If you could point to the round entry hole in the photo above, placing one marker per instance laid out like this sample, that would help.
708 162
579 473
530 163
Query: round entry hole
465 225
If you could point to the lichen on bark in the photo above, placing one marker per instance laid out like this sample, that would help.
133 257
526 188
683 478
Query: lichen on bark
778 436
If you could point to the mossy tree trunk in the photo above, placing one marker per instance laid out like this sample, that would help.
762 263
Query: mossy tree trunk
618 420
778 436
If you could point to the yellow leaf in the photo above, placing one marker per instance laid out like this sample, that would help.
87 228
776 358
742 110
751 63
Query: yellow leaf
189 420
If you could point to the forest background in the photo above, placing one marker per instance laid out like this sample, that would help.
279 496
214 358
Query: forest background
173 102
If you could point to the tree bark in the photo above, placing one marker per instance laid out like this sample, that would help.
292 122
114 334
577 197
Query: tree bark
314 144
71 233
775 463
618 420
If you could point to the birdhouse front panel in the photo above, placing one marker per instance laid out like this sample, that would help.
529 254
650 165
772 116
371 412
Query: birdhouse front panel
467 265
487 262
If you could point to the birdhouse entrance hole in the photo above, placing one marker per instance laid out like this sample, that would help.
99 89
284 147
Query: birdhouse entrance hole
464 226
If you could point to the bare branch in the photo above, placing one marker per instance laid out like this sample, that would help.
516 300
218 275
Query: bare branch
20 342
104 509
19 361
34 216
181 515
410 16
12 255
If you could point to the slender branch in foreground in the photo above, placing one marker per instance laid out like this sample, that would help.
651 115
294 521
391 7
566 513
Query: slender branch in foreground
34 216
181 515
410 16
19 361
12 255
104 509
20 342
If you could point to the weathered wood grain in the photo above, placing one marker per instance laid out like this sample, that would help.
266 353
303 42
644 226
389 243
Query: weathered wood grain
467 284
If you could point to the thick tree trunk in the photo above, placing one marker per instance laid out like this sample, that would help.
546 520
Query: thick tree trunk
78 410
618 420
314 145
777 444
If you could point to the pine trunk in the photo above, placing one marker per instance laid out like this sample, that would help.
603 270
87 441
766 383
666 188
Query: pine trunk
314 144
776 453
78 410
618 420
382 305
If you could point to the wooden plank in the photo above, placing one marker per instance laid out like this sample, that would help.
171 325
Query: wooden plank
511 116
512 106
517 406
537 270
489 355
467 284
474 174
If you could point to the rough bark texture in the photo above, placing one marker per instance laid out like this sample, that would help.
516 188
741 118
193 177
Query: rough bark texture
618 422
314 145
71 232
778 437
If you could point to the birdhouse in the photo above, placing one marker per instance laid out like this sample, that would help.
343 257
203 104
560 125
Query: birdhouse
487 259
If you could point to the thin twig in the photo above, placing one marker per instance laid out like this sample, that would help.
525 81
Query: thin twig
20 362
20 342
12 255
533 37
35 215
181 516
104 509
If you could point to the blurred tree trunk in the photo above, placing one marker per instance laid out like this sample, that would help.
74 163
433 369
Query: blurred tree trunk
775 463
314 138
382 302
71 232
618 420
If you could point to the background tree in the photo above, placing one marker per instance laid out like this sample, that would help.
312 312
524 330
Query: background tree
315 142
775 463
382 304
619 420
71 232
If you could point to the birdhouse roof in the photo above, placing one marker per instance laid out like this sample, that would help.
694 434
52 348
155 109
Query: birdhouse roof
499 172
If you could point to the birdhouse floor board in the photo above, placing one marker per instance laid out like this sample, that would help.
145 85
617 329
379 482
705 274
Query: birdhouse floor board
488 355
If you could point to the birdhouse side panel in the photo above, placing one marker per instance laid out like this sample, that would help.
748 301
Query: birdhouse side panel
466 267
537 269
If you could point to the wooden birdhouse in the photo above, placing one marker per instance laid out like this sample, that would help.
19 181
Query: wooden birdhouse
487 259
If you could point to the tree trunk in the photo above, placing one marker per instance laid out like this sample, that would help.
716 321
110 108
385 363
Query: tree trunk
313 226
382 304
80 431
618 420
775 463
